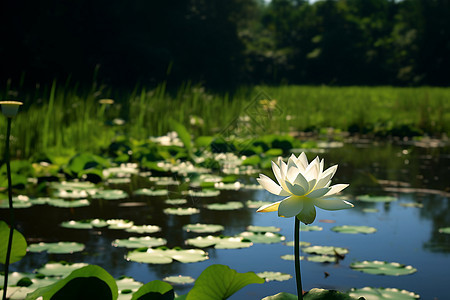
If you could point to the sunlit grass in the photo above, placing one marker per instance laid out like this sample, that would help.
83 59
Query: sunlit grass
61 119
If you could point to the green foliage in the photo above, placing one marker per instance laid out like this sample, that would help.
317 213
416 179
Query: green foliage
154 290
90 282
220 282
18 247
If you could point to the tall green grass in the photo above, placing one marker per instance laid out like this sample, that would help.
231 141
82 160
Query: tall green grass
62 119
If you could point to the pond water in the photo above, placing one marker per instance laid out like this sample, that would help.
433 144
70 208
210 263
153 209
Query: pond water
405 234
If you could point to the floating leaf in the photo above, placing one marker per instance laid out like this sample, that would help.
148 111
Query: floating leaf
310 228
128 283
256 204
263 228
444 230
203 193
368 198
166 256
281 296
68 203
73 185
412 204
18 246
302 244
325 250
220 282
274 276
383 293
263 237
203 228
139 242
149 192
228 186
119 224
176 201
118 180
370 210
110 195
181 211
84 224
321 258
125 170
319 294
70 194
219 242
354 229
56 248
156 289
382 268
20 201
291 257
59 269
179 279
232 205
143 229
99 283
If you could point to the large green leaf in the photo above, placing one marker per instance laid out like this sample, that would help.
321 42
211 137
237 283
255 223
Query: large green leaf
220 282
154 290
18 247
90 282
183 134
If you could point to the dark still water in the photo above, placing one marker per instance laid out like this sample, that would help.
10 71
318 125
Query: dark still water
407 229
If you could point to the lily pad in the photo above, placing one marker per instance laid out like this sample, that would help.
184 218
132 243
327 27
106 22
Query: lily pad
84 224
263 237
122 171
291 257
176 201
274 276
412 204
150 192
368 198
143 229
302 244
354 229
68 203
203 228
73 185
110 195
59 269
119 224
310 228
444 230
179 279
219 242
118 180
232 205
70 194
181 211
127 284
56 248
263 228
139 242
325 250
321 258
256 204
382 268
370 210
20 201
203 193
166 256
228 186
383 293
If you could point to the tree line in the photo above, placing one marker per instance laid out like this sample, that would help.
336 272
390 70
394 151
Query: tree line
226 43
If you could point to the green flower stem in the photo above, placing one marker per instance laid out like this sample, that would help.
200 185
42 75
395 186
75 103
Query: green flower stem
11 209
298 276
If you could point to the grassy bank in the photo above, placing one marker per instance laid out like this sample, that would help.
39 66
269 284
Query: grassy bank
62 118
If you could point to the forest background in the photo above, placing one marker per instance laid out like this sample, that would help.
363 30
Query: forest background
224 44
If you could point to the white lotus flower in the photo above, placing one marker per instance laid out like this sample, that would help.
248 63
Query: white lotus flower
306 184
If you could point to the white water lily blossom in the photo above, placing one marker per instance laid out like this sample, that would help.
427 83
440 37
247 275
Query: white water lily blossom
307 185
